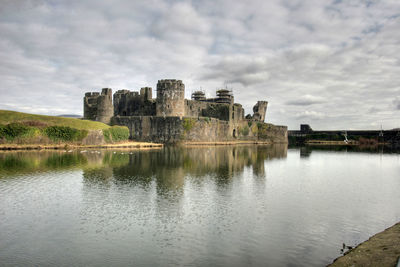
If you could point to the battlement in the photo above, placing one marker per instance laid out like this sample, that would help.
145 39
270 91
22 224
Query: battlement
121 92
92 94
106 91
170 84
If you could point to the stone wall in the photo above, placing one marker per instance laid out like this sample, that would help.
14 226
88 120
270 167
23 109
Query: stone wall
194 108
200 129
127 103
219 111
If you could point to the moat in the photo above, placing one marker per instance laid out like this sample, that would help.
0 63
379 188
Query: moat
197 206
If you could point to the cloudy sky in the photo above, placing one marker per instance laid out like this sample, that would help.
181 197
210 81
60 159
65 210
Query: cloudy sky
330 63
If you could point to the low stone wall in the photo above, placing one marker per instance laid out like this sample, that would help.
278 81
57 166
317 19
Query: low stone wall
94 137
201 129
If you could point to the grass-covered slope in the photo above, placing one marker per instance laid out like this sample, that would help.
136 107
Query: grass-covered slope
24 128
7 116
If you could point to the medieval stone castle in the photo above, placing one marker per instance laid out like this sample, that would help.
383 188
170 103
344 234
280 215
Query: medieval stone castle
170 118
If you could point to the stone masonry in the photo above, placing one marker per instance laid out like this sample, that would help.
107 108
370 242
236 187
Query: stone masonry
170 118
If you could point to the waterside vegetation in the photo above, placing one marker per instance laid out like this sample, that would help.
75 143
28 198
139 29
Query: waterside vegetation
25 129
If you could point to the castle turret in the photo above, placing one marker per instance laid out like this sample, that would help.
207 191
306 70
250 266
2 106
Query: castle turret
105 108
146 93
98 107
90 105
170 98
260 109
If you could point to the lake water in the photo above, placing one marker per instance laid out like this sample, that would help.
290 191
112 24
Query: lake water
204 206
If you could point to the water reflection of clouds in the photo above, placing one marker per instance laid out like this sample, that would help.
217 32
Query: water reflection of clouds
154 182
169 167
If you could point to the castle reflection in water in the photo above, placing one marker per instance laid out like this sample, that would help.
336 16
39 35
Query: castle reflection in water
167 167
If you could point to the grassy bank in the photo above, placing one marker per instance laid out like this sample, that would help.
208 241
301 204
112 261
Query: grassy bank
7 117
28 130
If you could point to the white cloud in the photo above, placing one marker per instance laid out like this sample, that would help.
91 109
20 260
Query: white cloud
396 103
328 62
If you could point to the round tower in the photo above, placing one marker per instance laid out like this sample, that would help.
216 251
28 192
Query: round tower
170 98
105 108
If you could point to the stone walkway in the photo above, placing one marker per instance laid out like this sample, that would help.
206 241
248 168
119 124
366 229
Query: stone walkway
382 249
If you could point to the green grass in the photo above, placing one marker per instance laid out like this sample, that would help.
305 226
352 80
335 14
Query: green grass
116 134
7 117
23 128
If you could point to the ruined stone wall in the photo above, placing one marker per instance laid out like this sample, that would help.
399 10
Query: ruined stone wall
152 128
273 133
170 98
98 107
205 129
219 111
260 110
90 105
237 114
200 129
127 103
194 108
216 110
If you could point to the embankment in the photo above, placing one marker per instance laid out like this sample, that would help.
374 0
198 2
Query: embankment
382 249
28 131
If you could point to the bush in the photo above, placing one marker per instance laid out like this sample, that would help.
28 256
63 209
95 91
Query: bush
65 133
13 130
244 131
263 130
367 141
116 134
39 124
188 124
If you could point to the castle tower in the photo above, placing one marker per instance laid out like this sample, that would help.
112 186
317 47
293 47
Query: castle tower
146 93
260 109
105 108
170 98
90 106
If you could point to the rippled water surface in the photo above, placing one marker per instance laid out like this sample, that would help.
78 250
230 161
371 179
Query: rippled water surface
208 206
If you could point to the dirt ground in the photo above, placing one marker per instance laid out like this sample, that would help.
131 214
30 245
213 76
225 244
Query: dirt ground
382 249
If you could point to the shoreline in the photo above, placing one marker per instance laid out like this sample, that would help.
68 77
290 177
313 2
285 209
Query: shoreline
382 249
223 143
340 143
7 147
